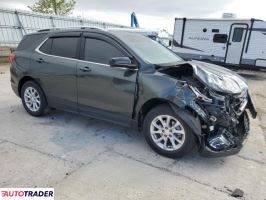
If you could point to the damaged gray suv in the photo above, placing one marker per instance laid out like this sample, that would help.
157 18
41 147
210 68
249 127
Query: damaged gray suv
132 80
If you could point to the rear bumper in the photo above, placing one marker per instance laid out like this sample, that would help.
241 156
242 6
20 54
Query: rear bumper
15 88
14 78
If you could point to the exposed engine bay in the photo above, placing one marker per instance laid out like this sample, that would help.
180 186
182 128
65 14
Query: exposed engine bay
222 109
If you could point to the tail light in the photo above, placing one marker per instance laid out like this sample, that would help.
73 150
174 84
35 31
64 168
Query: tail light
12 57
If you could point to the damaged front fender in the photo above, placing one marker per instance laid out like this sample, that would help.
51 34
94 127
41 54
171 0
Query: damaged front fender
192 122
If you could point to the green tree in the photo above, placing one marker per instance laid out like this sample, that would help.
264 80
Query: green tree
57 7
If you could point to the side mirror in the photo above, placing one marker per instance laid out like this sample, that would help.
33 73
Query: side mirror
124 62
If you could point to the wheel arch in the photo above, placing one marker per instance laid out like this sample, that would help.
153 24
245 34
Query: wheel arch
193 123
147 106
26 79
22 81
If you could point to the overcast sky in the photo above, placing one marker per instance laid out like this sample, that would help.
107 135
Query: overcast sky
156 13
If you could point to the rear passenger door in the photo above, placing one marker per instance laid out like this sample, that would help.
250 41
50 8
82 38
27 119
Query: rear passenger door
103 91
54 64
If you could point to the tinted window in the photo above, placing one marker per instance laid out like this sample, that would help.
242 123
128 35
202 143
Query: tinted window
46 47
220 38
238 33
100 51
64 46
28 40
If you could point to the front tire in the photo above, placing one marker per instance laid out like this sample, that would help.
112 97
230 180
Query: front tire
33 99
167 133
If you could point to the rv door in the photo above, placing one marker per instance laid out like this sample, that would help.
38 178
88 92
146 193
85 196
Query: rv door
236 43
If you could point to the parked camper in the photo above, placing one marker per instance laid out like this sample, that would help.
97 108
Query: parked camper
233 42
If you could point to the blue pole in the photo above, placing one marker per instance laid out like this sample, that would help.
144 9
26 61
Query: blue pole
134 20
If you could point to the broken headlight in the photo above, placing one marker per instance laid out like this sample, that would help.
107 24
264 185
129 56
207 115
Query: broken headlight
231 84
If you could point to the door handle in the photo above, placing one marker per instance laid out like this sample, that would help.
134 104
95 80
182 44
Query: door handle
85 69
40 60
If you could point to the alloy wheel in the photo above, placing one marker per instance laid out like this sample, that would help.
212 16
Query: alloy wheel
32 99
167 132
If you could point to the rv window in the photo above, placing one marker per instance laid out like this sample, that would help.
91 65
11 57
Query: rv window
220 38
238 33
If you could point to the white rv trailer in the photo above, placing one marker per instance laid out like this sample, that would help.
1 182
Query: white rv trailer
233 42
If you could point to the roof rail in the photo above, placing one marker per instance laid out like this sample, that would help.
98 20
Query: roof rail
70 27
137 30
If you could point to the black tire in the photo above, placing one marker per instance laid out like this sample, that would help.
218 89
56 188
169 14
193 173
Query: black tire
43 103
189 140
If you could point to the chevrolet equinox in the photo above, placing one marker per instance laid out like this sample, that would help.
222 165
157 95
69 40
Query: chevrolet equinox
131 80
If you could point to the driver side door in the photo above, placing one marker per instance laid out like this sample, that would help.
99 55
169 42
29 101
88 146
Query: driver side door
103 91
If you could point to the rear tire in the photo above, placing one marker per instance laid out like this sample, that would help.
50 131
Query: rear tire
33 99
167 133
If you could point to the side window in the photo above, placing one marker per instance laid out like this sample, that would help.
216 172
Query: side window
220 38
238 34
64 47
99 51
46 47
28 40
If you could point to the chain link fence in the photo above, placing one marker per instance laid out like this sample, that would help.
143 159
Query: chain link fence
14 24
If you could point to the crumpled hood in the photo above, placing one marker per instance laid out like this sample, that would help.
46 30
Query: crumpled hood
218 78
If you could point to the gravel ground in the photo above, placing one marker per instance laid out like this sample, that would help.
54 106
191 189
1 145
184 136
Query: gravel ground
83 158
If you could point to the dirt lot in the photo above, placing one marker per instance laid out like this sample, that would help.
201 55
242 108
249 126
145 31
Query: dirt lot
84 158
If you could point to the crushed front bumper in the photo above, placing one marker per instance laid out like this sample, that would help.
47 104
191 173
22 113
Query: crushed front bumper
207 152
224 143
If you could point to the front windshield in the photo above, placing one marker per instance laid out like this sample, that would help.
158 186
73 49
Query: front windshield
148 49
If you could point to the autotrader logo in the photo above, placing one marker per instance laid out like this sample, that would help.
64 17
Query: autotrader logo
26 193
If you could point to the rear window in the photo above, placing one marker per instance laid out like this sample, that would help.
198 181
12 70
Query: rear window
62 46
28 40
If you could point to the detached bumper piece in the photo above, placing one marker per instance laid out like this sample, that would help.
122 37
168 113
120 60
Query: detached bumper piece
225 143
